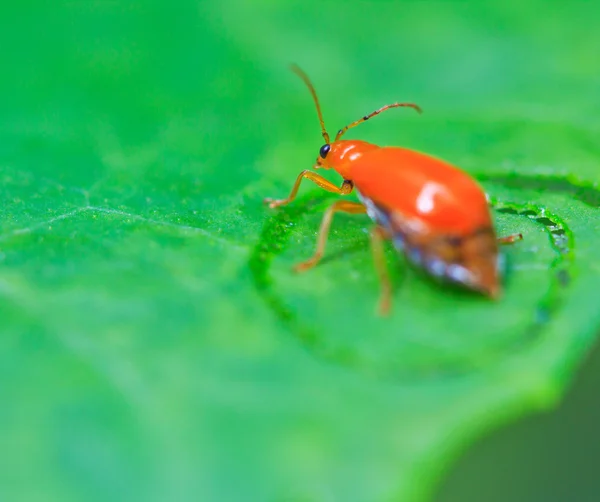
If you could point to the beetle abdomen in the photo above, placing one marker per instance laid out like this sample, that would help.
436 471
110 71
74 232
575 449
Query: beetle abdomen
470 259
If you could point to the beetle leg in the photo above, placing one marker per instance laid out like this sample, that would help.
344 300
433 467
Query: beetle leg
378 235
324 183
510 239
344 206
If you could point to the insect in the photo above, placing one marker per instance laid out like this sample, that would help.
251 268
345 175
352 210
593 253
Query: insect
433 212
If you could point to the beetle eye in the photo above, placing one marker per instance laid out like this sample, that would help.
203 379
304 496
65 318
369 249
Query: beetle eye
324 151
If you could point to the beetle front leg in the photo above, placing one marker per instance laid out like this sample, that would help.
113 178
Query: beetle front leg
324 183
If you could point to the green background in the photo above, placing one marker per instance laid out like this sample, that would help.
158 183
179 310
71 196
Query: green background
155 344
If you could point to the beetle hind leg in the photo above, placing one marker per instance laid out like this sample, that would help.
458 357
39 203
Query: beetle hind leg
510 239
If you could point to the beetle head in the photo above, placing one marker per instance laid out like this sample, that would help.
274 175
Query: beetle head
340 154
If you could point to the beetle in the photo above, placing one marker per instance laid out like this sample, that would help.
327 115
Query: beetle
433 212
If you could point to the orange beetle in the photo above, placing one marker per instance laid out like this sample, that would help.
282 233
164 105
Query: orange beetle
432 211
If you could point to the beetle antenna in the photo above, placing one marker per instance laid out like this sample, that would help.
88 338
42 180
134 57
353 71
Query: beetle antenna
298 71
376 112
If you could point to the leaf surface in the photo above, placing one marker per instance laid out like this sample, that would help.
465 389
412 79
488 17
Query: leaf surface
155 343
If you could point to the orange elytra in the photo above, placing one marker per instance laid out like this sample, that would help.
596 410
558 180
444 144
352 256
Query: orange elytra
433 212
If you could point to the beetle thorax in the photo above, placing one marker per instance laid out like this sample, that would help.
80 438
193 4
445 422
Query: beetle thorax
342 154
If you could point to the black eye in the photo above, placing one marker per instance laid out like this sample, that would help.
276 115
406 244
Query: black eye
324 151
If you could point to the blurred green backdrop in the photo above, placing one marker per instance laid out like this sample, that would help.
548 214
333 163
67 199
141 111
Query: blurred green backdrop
154 344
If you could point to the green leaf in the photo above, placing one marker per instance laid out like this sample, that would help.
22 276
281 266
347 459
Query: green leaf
155 343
